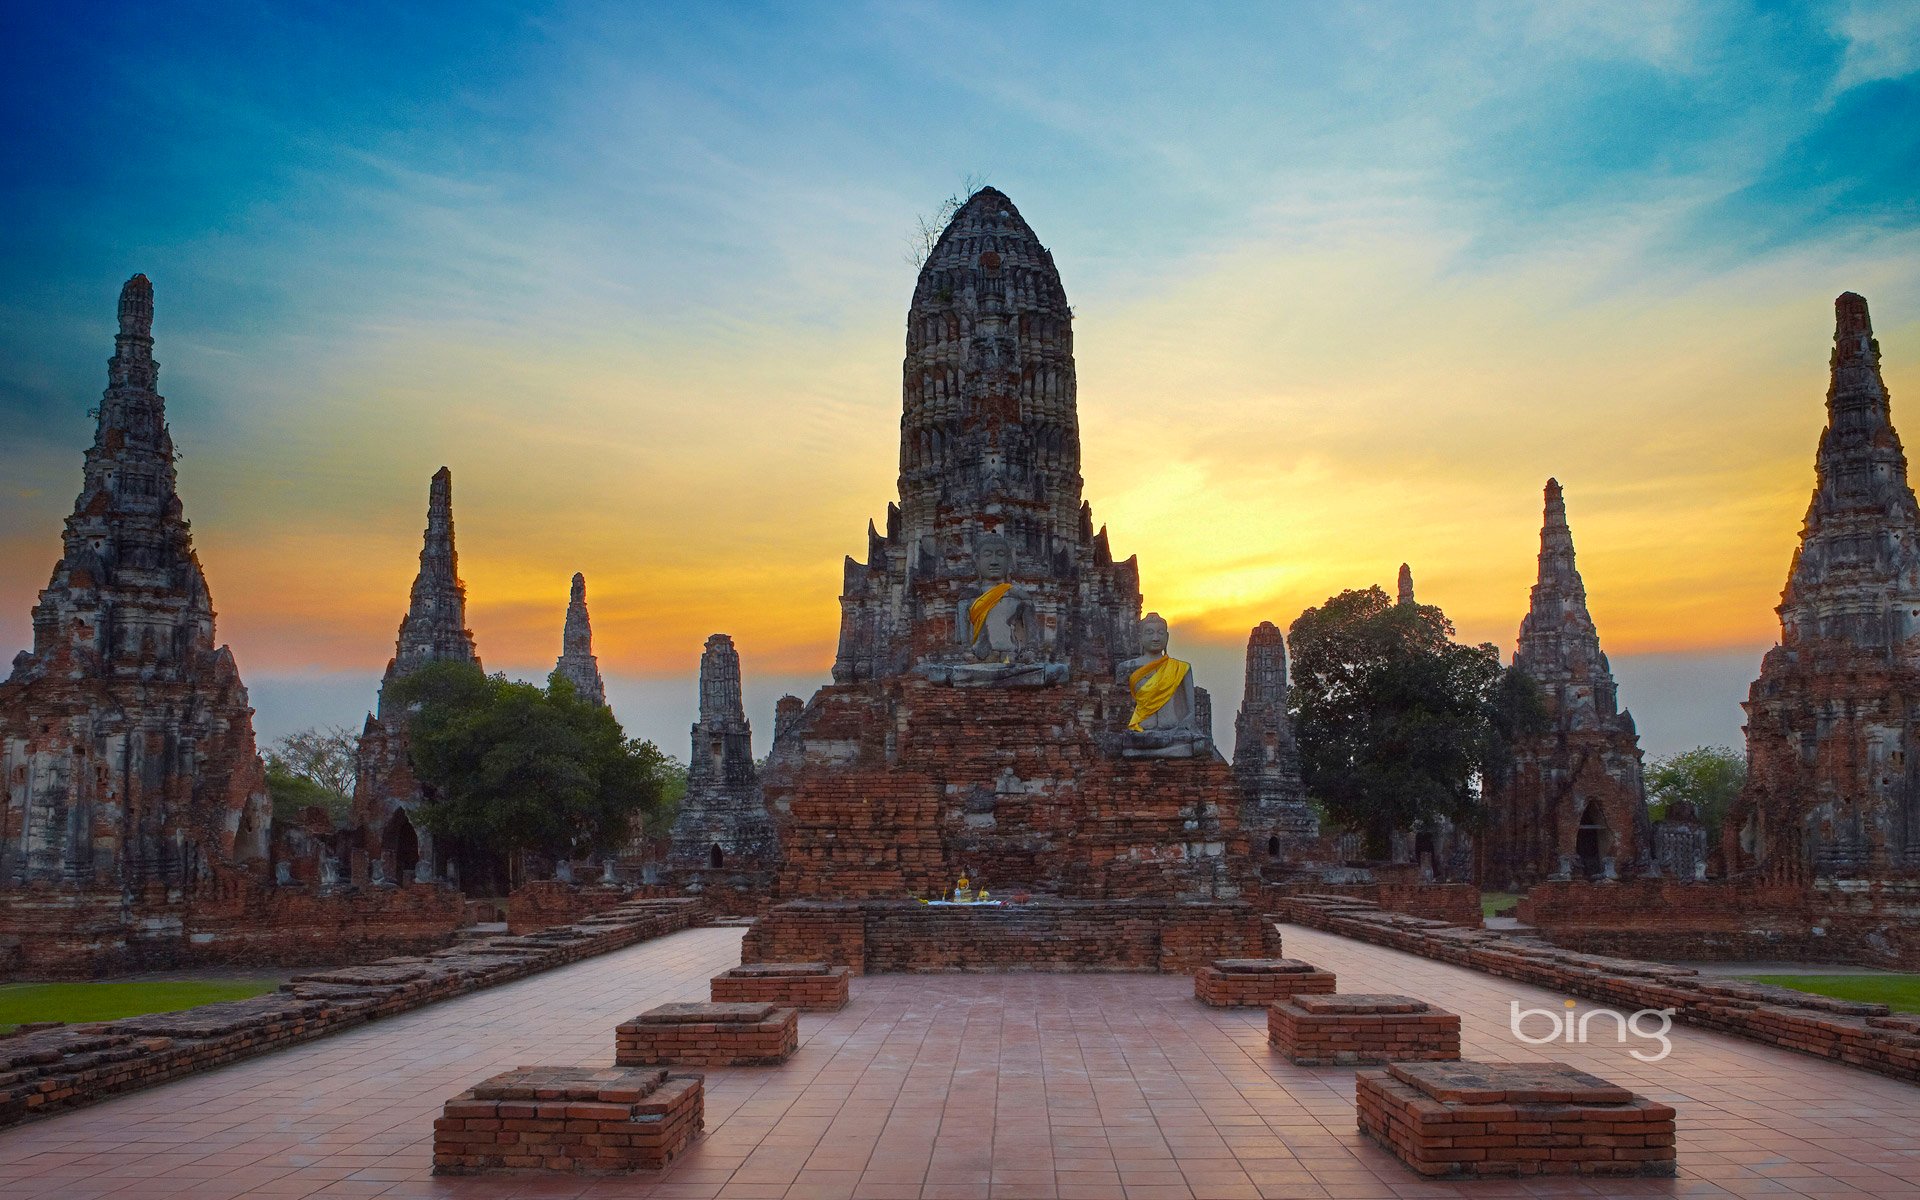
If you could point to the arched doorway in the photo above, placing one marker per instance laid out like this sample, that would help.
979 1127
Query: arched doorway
401 842
716 858
1591 842
1273 846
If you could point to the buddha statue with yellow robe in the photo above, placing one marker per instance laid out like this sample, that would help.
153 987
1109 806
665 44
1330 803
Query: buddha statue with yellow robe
996 628
1164 719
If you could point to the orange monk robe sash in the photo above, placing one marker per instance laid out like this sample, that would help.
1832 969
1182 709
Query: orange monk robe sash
977 611
1152 685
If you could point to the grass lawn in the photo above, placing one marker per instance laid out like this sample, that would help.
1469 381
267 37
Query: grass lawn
1497 904
1901 993
24 1002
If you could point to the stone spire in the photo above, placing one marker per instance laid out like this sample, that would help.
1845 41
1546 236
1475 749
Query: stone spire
124 652
1559 646
1266 760
989 445
1572 801
1855 578
577 665
1406 584
722 821
435 627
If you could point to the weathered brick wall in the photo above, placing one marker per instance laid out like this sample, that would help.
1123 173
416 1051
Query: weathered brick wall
235 919
809 987
1227 983
569 1119
1454 903
1863 1035
880 936
1872 924
548 902
708 1035
52 1069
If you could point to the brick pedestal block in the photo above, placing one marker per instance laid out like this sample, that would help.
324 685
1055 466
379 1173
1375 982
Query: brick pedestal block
1513 1119
581 1119
1258 982
709 1035
812 987
1337 1030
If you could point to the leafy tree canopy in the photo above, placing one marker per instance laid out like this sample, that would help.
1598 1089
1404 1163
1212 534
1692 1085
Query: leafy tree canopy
515 767
1707 777
1396 721
312 767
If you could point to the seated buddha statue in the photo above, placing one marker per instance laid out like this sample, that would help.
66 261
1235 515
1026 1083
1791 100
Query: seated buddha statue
1163 723
996 628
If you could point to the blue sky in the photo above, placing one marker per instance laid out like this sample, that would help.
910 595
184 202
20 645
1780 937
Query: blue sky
1365 274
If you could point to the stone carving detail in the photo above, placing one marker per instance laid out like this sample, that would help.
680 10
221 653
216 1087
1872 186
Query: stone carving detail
126 738
434 630
1266 760
1164 723
722 823
577 665
1573 803
1834 718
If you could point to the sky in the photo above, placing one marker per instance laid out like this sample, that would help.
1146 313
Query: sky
1350 283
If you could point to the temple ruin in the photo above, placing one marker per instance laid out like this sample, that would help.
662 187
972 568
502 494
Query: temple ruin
1833 789
999 705
722 834
1573 803
1273 801
576 664
126 738
434 630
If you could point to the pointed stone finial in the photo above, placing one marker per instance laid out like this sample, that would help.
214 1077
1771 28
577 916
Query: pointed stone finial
136 307
576 664
1406 584
435 627
1266 667
720 681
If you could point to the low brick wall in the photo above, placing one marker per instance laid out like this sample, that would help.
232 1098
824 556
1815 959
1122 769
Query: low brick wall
708 1035
1258 982
1871 924
876 936
1454 903
545 903
576 1119
1487 1119
1344 1029
52 1069
1862 1035
810 987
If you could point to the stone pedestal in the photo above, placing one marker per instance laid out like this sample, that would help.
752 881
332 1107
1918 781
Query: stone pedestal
1480 1119
809 986
709 1035
1340 1030
581 1119
1258 982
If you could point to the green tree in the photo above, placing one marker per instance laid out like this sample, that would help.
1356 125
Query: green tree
1396 721
512 767
1707 777
312 767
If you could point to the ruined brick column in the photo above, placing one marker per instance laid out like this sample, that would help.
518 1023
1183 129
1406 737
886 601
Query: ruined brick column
1832 786
434 630
1273 802
1405 593
126 738
577 665
1573 803
723 829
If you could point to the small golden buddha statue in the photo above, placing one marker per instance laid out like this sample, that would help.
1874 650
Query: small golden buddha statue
963 890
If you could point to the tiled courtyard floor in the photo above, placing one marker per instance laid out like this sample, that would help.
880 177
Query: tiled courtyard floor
1030 1087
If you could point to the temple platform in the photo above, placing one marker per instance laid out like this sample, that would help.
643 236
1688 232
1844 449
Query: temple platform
880 936
1470 1118
1258 982
807 986
708 1035
1339 1030
592 1120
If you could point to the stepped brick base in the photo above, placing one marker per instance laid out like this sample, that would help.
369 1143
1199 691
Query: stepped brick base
1513 1119
583 1119
811 987
709 1035
1258 982
1339 1030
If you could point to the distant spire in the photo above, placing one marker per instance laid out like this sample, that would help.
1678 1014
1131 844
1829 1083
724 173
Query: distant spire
1559 646
577 664
1406 584
720 682
435 627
